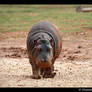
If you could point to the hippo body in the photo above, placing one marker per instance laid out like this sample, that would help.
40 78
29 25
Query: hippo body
44 45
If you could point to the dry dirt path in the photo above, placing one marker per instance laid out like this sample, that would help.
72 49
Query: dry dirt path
16 73
73 67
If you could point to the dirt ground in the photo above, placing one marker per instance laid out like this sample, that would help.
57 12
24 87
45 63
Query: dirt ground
73 67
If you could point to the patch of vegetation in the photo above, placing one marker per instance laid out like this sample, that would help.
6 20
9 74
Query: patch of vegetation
22 17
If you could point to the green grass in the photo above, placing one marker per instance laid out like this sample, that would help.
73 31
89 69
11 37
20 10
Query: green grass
22 17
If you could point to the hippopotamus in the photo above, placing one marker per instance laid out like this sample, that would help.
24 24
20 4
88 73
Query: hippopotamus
44 45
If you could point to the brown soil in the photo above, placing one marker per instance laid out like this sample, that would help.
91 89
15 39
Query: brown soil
73 67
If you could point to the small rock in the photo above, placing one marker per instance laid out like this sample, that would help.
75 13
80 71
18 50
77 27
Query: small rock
79 47
77 51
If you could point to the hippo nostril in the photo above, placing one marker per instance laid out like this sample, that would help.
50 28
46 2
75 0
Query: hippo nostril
44 60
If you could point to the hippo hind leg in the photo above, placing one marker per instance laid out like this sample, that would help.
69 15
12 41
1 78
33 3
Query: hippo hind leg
49 73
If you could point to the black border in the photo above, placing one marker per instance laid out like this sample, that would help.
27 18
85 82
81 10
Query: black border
62 89
45 1
78 89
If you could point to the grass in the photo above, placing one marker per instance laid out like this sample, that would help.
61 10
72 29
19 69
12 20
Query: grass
22 17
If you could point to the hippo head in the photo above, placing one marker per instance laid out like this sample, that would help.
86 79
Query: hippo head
43 53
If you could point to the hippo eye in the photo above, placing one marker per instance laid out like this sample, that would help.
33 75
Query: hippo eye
48 49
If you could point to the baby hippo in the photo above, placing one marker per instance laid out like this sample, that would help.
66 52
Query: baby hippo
43 46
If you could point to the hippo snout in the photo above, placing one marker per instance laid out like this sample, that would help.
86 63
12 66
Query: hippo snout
45 59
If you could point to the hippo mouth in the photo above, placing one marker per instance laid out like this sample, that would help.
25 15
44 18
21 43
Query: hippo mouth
44 64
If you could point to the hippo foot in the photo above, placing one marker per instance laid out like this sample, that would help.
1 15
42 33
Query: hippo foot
51 75
36 77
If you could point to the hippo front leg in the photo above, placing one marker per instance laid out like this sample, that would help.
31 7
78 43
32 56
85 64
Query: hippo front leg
35 71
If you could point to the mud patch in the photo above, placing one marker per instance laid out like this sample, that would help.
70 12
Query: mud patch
13 52
78 53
